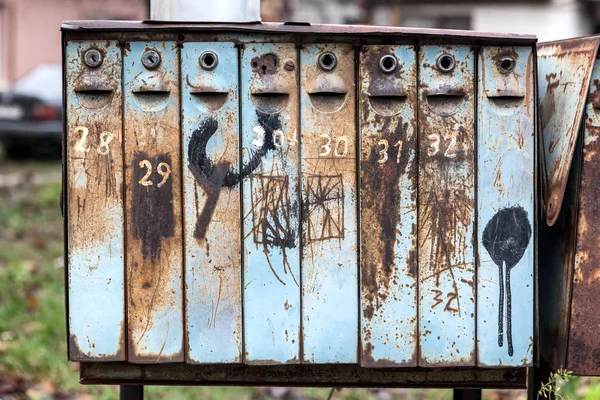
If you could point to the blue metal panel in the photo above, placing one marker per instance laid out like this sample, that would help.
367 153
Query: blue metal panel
446 206
271 203
388 204
329 218
211 202
153 204
505 196
95 204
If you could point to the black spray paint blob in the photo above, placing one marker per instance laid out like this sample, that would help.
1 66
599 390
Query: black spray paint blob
506 237
213 176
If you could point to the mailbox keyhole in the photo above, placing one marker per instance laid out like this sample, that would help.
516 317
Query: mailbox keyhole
388 63
209 60
327 61
506 65
446 63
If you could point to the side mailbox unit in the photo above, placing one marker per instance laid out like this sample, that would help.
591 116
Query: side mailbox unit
311 205
569 85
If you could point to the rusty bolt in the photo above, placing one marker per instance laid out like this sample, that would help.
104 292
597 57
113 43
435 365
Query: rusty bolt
506 64
446 63
289 66
92 58
151 59
209 60
388 63
327 61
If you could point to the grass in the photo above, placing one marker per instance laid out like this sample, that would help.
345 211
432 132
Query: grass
32 316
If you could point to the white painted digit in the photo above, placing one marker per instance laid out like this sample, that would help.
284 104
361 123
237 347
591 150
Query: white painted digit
144 181
326 149
383 152
164 172
105 139
341 139
80 145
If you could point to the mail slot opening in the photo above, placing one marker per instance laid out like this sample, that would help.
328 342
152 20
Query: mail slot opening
270 102
506 101
387 104
210 100
151 100
445 104
94 99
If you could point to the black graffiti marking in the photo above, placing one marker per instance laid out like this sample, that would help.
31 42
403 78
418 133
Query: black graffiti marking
212 177
324 208
152 207
506 237
271 217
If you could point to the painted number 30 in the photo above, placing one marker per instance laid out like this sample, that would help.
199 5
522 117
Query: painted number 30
162 169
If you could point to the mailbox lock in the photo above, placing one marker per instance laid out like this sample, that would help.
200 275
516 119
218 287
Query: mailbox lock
151 59
92 58
209 60
327 61
388 63
506 64
445 63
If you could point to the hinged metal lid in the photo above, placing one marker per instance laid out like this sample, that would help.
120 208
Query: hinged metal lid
564 72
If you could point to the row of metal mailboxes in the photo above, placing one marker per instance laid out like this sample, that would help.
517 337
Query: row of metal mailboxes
271 203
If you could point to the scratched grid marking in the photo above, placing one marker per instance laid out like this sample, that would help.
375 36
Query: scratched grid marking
325 207
270 207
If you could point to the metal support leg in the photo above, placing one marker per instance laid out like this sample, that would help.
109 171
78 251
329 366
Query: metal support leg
467 394
536 377
131 392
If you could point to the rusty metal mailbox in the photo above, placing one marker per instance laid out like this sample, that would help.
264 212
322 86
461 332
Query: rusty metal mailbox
569 286
296 204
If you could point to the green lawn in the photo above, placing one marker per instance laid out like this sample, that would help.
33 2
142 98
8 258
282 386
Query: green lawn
32 319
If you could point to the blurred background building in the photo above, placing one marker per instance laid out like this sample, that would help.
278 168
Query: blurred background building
30 29
548 19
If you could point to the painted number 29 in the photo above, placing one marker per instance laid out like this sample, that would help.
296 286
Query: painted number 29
162 169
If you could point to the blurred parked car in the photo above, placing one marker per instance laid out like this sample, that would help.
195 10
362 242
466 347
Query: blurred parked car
30 113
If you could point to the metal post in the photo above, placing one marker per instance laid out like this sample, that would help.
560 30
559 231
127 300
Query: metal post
131 392
205 10
467 394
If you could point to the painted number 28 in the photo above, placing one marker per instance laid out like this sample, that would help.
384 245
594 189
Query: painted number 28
162 169
102 149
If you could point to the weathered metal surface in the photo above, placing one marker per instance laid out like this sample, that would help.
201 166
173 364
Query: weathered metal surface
313 375
211 197
278 29
564 71
329 212
584 347
271 203
388 206
446 206
95 203
153 205
505 197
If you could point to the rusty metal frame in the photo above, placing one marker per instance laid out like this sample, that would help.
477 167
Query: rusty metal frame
337 375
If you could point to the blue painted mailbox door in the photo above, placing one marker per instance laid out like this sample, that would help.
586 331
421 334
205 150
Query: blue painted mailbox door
388 206
211 193
153 202
446 206
95 202
505 196
271 203
329 212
